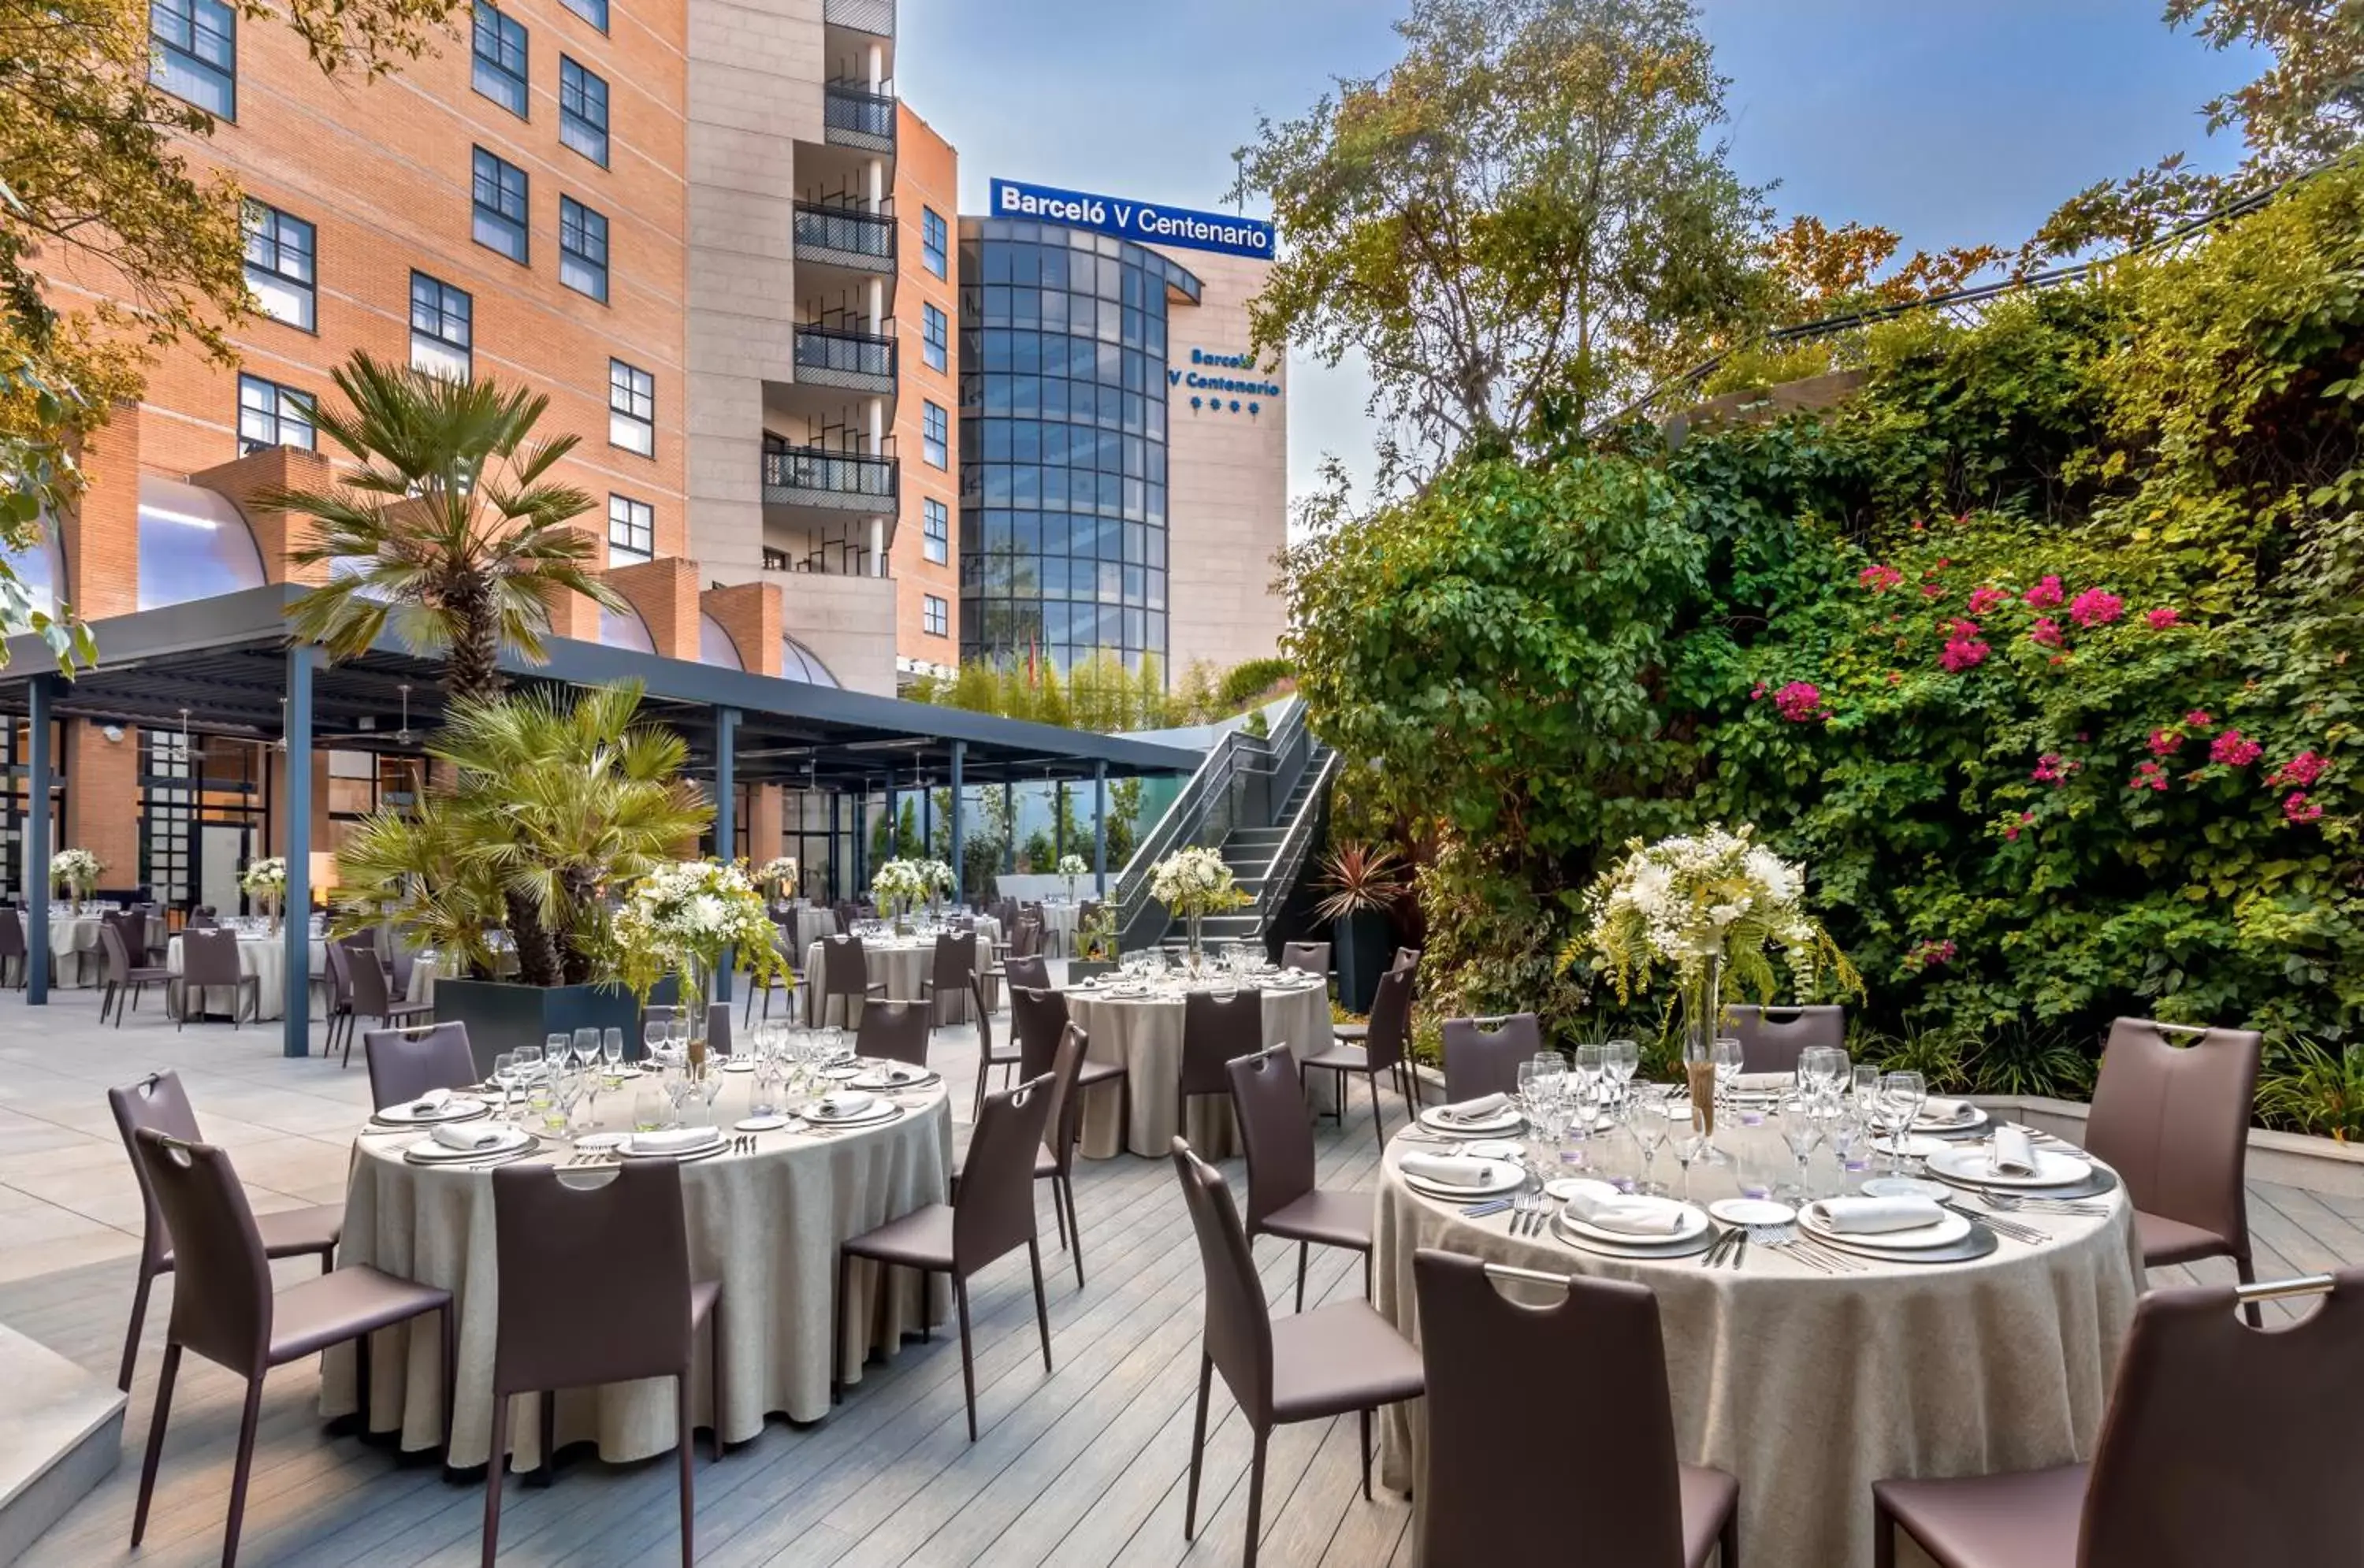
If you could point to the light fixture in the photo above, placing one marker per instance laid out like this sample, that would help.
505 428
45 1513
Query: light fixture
402 736
113 733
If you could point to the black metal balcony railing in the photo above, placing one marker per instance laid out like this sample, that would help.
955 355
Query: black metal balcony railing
827 356
862 15
856 116
814 477
845 235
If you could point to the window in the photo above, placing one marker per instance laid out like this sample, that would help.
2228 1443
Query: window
582 249
500 59
935 435
935 337
279 258
443 327
935 530
500 207
194 52
934 238
582 111
631 530
631 408
592 11
934 618
270 415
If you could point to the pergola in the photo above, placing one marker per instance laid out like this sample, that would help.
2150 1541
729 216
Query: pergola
225 666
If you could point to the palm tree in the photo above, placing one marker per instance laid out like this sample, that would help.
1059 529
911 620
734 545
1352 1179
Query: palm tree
451 531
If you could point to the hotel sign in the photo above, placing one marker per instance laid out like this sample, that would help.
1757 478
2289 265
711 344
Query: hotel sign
1225 232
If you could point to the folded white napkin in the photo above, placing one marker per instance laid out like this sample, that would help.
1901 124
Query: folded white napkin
1448 1170
1483 1108
474 1135
672 1139
1634 1216
1935 1110
846 1102
1764 1083
433 1100
2013 1154
1870 1216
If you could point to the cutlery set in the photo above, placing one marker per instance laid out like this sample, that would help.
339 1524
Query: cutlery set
1730 1249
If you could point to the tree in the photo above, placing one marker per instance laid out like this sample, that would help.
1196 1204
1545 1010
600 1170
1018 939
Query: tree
451 531
1506 222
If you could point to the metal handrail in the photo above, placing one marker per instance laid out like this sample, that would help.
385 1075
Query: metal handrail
1235 756
844 473
859 110
850 353
848 229
1280 873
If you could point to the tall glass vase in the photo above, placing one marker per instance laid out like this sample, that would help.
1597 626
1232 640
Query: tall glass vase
1196 951
1702 1008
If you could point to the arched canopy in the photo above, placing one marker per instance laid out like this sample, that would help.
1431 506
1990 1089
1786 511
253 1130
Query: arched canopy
40 571
625 628
714 644
799 662
194 544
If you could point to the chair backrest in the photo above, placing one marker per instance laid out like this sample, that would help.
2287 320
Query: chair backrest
1038 1016
1311 957
845 970
367 977
2225 1444
12 936
1026 940
655 1013
118 960
894 1030
1269 1102
1391 1027
992 1212
340 976
1772 1038
209 957
201 919
158 1104
1065 1119
221 1288
1598 1349
2173 1121
406 1063
718 1027
1407 958
1215 1030
1238 1333
619 1247
1028 969
1480 1060
956 961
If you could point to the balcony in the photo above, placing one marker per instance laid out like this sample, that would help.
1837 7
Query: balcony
862 15
838 481
856 116
846 236
859 362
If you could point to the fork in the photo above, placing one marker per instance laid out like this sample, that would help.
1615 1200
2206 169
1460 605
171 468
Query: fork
2001 1227
2007 1203
1784 1239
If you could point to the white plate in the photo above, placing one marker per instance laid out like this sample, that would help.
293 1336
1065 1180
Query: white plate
1501 1176
677 1150
1752 1211
903 1075
427 1151
760 1124
1973 1162
885 1112
1435 1120
1907 1187
735 1065
601 1141
1694 1222
842 1071
1945 1233
459 1107
1975 1117
1492 1148
1566 1187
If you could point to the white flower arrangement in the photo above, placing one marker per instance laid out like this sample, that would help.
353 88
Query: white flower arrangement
898 883
1193 882
1719 897
1072 866
78 868
779 870
937 876
266 877
684 916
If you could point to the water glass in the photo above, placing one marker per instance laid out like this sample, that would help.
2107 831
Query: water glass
1901 1095
648 1109
1800 1129
612 1048
1645 1118
586 1045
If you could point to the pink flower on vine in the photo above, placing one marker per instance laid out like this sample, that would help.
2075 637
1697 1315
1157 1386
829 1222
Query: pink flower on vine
1931 953
2231 750
2150 776
1983 600
1933 590
2045 633
2095 608
2162 618
2298 808
2302 769
2012 830
2044 595
1880 578
2198 718
1800 702
1757 692
1962 653
1896 677
2052 768
2165 742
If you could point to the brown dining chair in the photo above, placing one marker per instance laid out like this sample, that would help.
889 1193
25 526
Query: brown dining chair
893 1031
1038 1016
406 1063
1055 1162
951 972
988 1058
210 962
1216 1029
845 975
340 1009
366 975
159 1104
14 955
2173 1120
2222 1445
225 1310
1337 1358
1382 1051
991 1215
1313 958
1482 1055
1269 1099
618 1247
1407 961
1032 970
1598 1346
1772 1038
125 979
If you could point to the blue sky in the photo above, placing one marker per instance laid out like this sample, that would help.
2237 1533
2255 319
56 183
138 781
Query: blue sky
1951 124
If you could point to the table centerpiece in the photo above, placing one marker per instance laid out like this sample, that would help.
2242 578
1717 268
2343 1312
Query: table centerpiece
78 868
1194 882
265 882
688 919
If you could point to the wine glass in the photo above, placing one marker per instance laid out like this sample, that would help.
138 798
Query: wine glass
1901 1095
1625 1059
505 1072
1867 1090
1645 1118
1692 1144
611 1052
1591 1066
529 1060
586 1046
1800 1129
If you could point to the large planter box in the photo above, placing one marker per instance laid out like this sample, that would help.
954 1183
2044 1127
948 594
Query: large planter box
1085 968
1363 946
502 1015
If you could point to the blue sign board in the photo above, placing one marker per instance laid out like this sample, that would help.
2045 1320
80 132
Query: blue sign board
1226 232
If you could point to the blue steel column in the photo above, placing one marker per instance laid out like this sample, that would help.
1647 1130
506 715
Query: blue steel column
38 847
960 876
834 796
297 1037
726 819
1010 816
1100 830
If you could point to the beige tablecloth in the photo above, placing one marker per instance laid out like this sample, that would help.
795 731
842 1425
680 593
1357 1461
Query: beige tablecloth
1810 1387
767 1225
265 958
902 965
811 925
1146 1034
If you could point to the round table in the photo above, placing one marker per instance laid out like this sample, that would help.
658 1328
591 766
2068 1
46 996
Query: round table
265 958
766 1224
1144 1034
812 923
902 962
1809 1387
1059 927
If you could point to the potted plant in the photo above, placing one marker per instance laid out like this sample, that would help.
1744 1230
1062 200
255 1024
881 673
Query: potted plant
1095 945
78 870
1364 887
550 803
265 882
